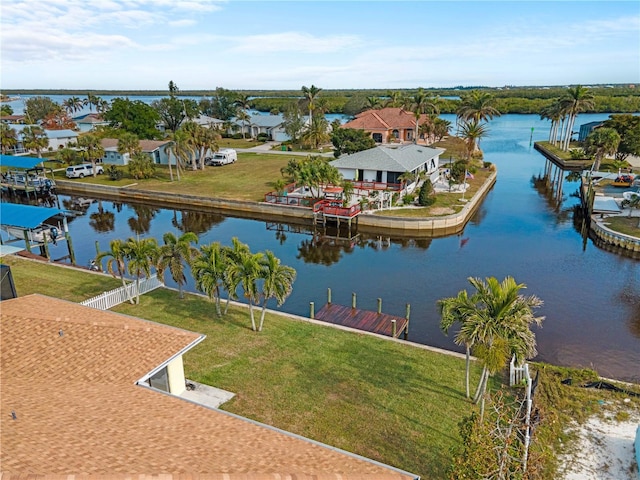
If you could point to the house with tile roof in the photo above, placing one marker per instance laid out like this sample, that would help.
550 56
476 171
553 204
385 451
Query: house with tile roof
156 149
386 163
94 394
387 125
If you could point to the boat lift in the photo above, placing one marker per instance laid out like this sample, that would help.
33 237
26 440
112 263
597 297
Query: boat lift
26 223
30 176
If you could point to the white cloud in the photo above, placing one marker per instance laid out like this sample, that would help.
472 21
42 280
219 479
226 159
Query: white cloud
294 42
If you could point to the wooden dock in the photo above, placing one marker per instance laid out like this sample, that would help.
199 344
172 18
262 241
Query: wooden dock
366 320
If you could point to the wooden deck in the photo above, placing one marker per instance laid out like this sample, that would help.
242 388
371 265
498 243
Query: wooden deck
363 320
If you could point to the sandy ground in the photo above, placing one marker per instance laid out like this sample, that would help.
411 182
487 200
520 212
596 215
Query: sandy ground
605 450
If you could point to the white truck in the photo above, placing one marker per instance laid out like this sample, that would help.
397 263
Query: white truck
222 157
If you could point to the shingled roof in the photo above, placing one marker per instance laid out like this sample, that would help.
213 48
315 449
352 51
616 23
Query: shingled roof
70 405
401 158
384 119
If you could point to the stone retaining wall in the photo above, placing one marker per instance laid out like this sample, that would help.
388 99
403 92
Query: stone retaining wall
432 226
615 239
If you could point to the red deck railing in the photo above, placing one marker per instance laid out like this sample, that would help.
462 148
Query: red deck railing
333 208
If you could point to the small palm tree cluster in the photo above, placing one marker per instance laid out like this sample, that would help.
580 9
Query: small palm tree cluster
475 110
214 267
495 322
314 172
563 112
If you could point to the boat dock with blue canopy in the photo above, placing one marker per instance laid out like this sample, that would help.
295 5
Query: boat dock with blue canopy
27 223
26 175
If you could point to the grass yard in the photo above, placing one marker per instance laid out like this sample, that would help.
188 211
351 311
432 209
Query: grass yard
445 204
391 402
624 224
250 178
238 143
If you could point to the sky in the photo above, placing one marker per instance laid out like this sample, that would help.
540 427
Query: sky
204 44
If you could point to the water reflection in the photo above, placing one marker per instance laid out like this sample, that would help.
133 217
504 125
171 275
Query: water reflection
141 222
196 222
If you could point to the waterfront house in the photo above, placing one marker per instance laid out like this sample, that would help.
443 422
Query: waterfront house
586 129
57 138
103 395
386 163
89 122
387 125
272 125
156 149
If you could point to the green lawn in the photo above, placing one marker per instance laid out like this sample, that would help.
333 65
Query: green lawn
391 402
238 143
624 224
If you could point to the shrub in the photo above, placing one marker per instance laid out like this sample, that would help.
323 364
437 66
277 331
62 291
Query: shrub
486 164
236 136
263 137
408 199
425 197
114 173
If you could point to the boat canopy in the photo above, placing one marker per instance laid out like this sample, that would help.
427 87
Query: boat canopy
25 216
26 163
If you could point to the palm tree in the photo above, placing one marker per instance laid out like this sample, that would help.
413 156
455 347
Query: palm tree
208 270
500 314
310 94
92 149
129 143
245 272
576 100
244 104
92 100
394 99
374 102
35 138
472 132
142 255
316 132
456 310
420 103
174 253
277 281
477 105
233 255
116 263
8 137
600 142
633 203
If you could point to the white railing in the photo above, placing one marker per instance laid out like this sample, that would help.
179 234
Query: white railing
518 374
114 297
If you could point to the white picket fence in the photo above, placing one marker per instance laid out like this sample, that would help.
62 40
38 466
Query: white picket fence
109 299
518 374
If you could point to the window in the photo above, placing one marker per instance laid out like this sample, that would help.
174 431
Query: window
160 380
377 137
396 134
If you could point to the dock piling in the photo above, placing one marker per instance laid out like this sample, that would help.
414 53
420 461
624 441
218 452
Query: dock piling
353 300
312 310
329 296
379 305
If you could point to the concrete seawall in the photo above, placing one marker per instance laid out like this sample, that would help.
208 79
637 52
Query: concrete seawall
428 226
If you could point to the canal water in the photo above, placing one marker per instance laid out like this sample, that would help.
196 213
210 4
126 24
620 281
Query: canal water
591 296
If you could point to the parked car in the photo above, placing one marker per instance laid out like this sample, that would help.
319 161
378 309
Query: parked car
83 170
222 157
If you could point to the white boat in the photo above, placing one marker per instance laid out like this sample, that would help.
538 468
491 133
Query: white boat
35 235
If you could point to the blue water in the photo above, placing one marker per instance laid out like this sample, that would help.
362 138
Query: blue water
591 296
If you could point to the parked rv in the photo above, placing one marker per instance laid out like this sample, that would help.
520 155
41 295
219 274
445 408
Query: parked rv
222 157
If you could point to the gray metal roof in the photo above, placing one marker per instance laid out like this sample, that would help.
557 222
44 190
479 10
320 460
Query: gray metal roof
402 158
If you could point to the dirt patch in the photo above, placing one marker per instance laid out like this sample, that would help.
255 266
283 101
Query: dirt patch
437 211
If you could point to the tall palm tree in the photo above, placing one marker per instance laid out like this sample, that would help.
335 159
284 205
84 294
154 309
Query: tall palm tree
456 310
92 149
600 142
233 255
310 94
420 104
142 255
374 102
173 255
277 281
92 100
208 270
502 314
472 132
477 105
245 272
243 104
576 100
394 99
8 137
35 138
116 263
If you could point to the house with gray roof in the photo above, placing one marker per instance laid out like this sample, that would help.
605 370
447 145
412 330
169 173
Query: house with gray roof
386 163
272 125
